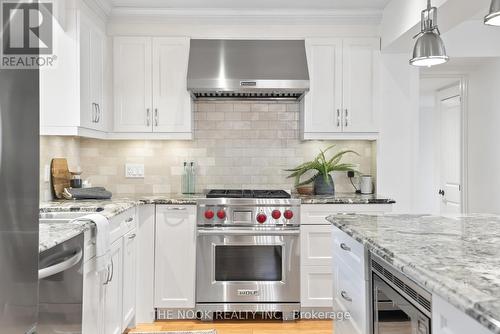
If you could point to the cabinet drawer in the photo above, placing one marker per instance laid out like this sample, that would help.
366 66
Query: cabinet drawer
121 224
350 252
316 286
316 245
350 295
315 214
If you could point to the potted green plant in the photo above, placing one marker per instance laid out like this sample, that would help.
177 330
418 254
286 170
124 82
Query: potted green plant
322 167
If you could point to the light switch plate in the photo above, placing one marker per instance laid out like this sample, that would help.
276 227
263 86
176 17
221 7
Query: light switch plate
134 170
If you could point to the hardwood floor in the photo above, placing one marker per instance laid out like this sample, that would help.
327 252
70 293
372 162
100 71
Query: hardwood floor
242 326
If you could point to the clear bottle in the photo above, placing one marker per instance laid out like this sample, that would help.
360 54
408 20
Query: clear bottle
185 179
192 178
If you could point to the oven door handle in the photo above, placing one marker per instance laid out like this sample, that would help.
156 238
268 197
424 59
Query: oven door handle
248 232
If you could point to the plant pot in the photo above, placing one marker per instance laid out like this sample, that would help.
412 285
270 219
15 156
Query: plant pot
321 187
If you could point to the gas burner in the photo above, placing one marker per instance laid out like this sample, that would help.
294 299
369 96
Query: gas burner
246 193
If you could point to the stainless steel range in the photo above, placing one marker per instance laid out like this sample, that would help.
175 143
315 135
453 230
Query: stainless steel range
248 256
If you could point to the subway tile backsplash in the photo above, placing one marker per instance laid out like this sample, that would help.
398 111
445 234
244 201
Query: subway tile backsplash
236 145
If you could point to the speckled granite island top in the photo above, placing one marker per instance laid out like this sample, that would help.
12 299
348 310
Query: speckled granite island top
345 198
455 258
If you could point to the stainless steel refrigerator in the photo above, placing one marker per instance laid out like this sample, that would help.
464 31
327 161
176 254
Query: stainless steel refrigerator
19 199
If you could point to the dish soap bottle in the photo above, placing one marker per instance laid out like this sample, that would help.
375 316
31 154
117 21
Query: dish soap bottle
192 178
185 179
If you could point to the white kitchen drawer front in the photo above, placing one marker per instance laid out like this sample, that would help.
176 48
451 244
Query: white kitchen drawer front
447 319
316 214
349 251
350 295
316 286
316 245
122 223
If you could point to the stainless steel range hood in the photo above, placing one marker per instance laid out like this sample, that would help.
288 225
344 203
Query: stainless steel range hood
247 69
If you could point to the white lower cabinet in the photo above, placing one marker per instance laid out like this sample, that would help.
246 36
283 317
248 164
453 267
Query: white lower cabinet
175 256
113 292
319 251
93 299
350 284
129 277
447 319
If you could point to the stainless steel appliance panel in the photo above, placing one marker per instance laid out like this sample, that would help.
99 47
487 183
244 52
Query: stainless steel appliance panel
61 288
19 180
248 265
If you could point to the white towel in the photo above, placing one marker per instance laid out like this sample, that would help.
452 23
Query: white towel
103 242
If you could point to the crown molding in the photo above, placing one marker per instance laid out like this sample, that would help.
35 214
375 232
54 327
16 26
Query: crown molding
102 7
246 16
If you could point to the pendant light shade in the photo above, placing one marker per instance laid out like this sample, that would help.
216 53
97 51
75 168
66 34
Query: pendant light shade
493 18
429 48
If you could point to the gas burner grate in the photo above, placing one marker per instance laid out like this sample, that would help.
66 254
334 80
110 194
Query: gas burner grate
246 193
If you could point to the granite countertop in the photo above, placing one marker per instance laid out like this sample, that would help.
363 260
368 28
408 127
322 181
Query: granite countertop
345 198
455 258
53 234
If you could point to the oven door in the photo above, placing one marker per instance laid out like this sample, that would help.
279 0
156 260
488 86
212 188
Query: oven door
248 266
392 313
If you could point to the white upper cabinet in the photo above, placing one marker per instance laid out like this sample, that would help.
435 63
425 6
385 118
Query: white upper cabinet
342 101
360 72
323 103
133 84
171 100
72 92
150 86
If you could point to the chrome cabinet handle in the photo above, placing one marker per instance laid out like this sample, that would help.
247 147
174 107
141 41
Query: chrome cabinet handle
346 117
177 208
94 112
156 117
107 275
128 220
148 117
345 296
338 118
112 270
98 113
132 236
345 247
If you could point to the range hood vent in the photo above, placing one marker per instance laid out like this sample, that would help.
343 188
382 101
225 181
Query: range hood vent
247 69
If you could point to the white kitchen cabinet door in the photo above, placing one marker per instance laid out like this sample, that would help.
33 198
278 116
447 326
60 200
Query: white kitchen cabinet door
316 245
91 75
93 299
132 84
360 84
316 286
175 256
113 292
323 103
447 319
129 277
171 101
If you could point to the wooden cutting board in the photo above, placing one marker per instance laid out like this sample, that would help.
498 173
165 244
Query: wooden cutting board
60 176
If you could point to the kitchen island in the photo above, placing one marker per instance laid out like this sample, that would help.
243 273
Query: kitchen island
456 259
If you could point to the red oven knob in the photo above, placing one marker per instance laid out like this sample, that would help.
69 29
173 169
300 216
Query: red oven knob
276 214
261 218
288 214
209 214
221 214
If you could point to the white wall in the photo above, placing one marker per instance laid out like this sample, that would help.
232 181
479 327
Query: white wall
484 139
398 145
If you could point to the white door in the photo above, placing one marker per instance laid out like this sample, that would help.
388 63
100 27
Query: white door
360 72
450 157
132 84
93 299
97 77
175 256
129 277
323 103
113 292
171 100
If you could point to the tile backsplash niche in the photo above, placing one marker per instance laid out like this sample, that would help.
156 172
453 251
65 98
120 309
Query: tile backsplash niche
237 145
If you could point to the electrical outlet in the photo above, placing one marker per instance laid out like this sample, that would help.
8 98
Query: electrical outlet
134 170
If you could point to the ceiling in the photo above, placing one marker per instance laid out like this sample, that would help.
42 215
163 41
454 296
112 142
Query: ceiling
254 4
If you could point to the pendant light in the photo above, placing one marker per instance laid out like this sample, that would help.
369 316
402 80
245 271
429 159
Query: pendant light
429 48
493 18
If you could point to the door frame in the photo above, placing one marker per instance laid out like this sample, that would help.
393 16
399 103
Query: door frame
463 87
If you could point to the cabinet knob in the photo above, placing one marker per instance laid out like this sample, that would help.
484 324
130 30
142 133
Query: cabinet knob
345 247
345 295
148 117
338 118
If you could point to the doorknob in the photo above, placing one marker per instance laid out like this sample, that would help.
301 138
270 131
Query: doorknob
441 192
